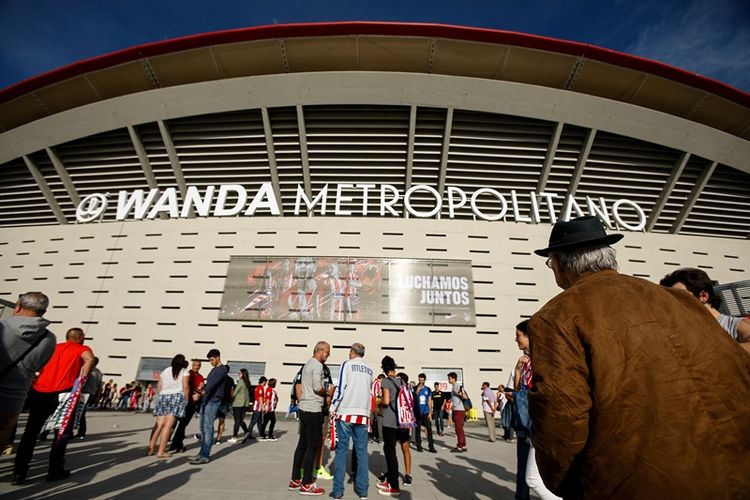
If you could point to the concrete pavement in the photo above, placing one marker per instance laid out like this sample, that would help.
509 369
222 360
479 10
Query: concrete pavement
112 463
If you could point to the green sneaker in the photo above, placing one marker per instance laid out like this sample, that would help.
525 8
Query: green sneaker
322 473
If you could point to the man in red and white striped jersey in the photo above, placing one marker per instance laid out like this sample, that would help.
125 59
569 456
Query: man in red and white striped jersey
272 399
259 409
350 407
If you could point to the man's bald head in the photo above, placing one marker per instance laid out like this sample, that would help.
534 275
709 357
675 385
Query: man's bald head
76 335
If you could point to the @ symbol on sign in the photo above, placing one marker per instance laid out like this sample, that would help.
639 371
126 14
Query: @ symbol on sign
91 207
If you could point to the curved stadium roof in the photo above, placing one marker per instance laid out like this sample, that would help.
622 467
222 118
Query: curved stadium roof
409 137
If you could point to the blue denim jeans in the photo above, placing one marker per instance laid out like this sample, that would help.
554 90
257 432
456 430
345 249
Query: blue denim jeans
358 433
208 416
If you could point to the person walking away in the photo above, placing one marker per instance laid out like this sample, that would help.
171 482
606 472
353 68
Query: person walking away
426 413
212 395
70 361
92 385
195 385
350 409
239 404
102 403
489 406
406 445
272 400
392 433
27 346
259 408
173 389
638 392
314 392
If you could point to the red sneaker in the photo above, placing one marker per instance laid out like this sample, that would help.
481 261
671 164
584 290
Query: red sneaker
389 492
383 485
295 484
311 489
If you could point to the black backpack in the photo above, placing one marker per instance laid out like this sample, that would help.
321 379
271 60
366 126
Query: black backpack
228 386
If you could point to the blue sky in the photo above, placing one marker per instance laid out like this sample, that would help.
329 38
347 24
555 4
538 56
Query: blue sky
709 37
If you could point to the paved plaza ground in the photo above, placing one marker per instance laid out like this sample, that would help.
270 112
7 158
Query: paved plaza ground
112 463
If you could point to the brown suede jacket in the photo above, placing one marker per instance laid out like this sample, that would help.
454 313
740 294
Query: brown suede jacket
638 394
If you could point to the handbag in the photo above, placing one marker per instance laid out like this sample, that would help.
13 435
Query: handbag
466 401
521 420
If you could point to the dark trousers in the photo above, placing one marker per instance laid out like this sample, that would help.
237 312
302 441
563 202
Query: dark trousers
41 406
523 445
268 417
390 438
438 418
310 435
424 421
82 424
256 419
239 419
377 427
178 438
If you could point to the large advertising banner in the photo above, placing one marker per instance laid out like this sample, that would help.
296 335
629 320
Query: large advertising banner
349 290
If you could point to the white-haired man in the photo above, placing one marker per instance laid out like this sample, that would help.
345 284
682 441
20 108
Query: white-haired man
351 406
637 392
27 345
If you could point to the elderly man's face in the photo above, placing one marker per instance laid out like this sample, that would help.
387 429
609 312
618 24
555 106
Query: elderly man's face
196 366
560 279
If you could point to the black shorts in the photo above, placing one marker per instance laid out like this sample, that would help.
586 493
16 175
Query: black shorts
402 435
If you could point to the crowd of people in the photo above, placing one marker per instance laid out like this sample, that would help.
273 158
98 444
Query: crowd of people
635 390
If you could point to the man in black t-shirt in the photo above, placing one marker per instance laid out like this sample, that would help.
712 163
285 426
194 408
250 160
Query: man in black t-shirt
437 409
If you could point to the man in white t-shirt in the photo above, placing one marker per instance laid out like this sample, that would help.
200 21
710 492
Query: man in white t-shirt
489 406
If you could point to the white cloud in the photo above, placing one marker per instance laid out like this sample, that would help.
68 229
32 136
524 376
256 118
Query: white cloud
707 37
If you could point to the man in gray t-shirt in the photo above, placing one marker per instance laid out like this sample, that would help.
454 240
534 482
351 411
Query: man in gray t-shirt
459 412
314 392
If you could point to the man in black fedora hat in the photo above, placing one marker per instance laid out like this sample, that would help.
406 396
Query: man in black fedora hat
637 391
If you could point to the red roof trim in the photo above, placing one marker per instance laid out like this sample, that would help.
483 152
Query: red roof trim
378 28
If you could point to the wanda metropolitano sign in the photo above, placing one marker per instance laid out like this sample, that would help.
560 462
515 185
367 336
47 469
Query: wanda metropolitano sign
229 200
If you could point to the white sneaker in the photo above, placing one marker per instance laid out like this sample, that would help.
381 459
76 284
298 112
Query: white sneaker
232 440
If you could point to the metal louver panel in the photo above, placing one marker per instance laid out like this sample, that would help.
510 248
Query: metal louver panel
680 194
498 152
21 201
223 148
105 162
357 145
47 169
723 206
620 167
569 149
370 144
157 154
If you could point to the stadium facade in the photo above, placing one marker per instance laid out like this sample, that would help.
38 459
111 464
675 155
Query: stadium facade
257 190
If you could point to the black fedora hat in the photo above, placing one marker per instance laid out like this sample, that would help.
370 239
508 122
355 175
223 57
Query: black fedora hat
579 232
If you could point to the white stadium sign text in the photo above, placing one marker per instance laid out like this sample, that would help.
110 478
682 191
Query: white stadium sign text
227 200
